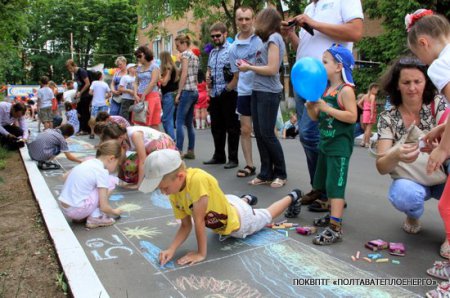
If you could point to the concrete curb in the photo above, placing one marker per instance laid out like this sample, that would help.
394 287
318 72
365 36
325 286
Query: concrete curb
83 280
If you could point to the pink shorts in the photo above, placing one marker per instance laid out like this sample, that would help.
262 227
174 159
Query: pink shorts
90 204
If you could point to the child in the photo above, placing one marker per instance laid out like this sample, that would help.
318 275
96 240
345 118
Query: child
126 86
72 116
49 144
100 92
369 106
57 114
336 113
104 117
290 128
203 101
44 102
88 186
429 40
195 194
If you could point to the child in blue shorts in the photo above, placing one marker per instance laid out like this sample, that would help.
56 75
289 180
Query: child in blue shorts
336 112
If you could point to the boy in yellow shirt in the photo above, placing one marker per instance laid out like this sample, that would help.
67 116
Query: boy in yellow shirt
195 193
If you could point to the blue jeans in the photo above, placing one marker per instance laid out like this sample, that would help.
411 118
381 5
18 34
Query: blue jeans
185 116
168 107
114 108
358 130
309 136
408 196
264 115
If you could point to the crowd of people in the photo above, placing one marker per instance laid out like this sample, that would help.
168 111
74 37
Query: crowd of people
243 82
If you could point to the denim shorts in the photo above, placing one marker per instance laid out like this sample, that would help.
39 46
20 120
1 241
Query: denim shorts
243 106
97 109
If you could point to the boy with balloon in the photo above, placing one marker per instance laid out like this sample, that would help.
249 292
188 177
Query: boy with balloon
328 89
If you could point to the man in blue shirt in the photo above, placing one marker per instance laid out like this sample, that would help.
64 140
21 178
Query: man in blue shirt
222 107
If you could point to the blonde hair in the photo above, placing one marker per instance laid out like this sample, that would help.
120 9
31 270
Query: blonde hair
121 58
111 147
70 62
183 38
435 26
167 64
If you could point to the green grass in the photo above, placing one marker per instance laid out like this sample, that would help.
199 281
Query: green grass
3 153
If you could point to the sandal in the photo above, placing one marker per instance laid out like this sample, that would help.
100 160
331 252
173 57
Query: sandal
327 237
445 250
440 269
245 172
91 137
277 183
46 165
257 181
323 221
250 199
442 291
411 229
82 133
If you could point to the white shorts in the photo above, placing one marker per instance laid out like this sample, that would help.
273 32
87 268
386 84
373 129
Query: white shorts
251 220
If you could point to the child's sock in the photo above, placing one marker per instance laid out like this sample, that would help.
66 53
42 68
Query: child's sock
335 223
203 124
197 123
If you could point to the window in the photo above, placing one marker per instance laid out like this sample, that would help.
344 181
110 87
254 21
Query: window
156 47
168 44
144 24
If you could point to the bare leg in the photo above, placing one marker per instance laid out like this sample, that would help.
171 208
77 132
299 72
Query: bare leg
367 133
337 207
246 139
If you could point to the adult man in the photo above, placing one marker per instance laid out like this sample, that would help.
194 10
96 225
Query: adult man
82 96
222 107
333 21
12 136
245 47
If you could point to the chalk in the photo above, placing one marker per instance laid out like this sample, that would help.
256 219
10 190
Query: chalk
357 254
282 226
282 231
280 222
385 260
367 259
353 258
395 262
374 256
290 225
287 235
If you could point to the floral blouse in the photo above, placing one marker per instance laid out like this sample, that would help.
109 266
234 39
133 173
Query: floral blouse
391 126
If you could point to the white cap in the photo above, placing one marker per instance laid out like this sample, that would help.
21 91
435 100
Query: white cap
158 164
130 65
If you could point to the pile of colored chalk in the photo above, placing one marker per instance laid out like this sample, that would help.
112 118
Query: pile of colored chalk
374 257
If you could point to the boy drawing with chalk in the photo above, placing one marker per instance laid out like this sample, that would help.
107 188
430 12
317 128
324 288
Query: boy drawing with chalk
195 194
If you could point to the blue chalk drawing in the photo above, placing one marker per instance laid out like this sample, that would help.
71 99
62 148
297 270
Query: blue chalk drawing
151 254
263 237
116 197
160 200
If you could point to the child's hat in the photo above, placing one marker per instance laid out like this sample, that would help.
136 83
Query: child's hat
344 56
130 65
158 164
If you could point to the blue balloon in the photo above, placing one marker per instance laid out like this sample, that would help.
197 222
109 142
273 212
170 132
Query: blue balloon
309 78
230 39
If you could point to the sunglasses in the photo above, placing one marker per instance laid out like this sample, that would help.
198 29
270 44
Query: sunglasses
139 56
411 61
216 36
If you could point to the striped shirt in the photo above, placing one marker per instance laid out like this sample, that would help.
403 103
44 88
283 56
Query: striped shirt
47 145
191 80
119 120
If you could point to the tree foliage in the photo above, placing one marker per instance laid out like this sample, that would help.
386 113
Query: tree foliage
101 30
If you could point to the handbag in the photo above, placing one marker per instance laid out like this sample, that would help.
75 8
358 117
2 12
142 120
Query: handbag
117 98
140 111
416 171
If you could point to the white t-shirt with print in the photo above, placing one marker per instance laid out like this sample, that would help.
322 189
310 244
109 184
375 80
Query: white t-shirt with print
331 12
100 89
82 181
149 133
127 82
45 96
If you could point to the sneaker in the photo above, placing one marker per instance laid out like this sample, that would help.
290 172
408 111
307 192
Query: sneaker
311 196
442 291
295 207
327 237
323 221
250 199
189 155
101 221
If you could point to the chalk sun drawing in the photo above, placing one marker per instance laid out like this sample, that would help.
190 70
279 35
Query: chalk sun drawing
139 232
172 223
223 288
129 207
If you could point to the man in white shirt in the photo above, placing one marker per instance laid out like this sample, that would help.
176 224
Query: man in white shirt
333 21
12 136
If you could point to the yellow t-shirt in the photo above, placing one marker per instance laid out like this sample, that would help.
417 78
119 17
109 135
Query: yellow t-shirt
220 216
